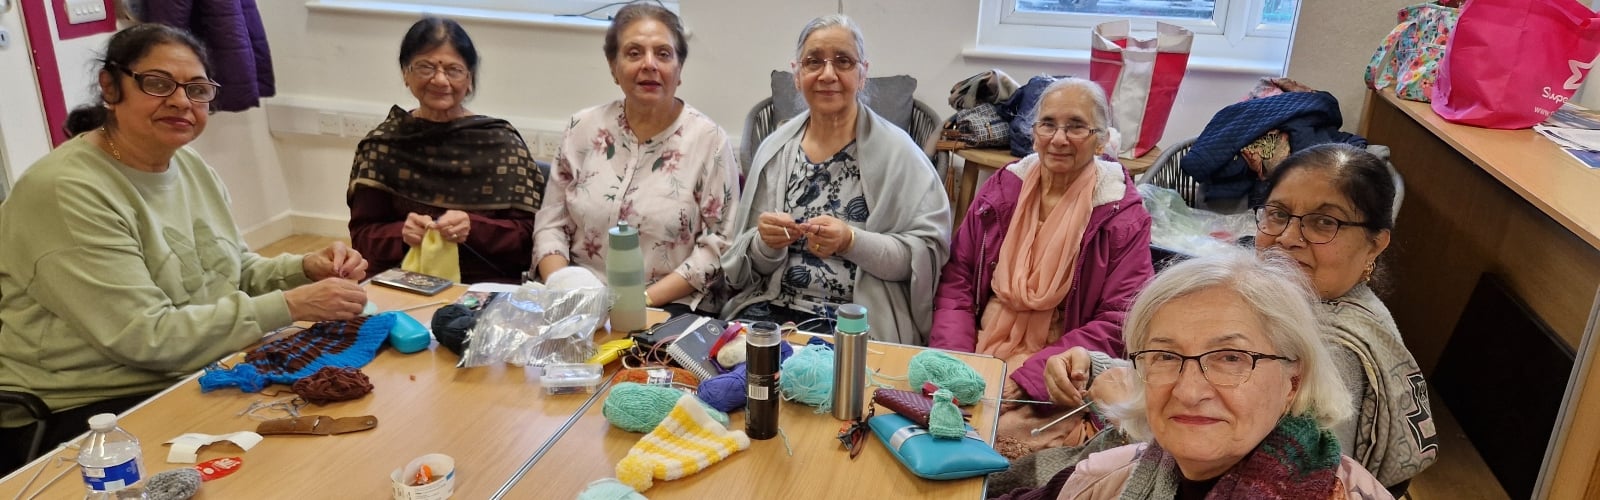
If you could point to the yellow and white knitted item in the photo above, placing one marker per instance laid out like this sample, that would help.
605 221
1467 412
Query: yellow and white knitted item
436 257
686 442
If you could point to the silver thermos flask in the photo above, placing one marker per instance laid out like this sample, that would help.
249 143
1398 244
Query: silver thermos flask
850 362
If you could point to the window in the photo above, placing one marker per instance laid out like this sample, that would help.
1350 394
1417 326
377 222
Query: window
1249 35
594 13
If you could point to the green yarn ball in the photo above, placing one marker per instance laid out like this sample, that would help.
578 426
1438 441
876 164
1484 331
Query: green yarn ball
808 377
609 489
640 408
947 372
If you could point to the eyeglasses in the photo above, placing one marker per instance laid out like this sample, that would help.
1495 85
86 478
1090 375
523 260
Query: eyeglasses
1315 228
425 70
840 64
160 86
1075 131
1222 367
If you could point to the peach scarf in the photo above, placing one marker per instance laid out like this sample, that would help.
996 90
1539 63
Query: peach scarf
1037 260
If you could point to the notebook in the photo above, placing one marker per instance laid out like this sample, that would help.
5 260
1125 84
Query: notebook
692 349
412 282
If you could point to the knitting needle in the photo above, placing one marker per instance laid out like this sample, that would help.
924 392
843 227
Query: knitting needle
1058 420
1022 401
420 306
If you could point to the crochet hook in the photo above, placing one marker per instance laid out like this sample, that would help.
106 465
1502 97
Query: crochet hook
1058 420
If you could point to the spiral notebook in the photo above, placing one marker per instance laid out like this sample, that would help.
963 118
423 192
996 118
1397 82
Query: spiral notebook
692 349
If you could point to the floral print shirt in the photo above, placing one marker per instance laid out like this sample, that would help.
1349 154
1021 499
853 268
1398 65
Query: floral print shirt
677 188
833 187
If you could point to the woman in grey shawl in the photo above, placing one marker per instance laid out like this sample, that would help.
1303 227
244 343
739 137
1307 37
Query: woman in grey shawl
841 206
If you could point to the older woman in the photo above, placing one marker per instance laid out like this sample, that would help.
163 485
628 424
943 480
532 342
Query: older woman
1051 254
1249 417
121 270
649 159
1330 208
441 167
842 206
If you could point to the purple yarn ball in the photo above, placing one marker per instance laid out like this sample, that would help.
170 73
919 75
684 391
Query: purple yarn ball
725 392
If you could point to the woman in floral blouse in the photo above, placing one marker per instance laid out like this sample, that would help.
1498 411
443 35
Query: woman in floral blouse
843 206
649 159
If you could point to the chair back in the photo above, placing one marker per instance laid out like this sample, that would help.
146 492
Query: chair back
763 117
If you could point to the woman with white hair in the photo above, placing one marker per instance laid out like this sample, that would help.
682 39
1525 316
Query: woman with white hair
840 206
1249 417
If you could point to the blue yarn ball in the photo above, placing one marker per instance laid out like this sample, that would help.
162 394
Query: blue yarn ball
725 392
808 377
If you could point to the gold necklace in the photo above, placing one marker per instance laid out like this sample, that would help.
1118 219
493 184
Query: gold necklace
114 152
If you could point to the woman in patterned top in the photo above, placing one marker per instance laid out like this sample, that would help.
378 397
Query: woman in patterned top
650 159
442 167
843 205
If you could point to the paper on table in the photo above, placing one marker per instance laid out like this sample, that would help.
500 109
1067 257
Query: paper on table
186 447
1571 137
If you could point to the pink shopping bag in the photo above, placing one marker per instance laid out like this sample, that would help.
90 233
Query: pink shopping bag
1141 79
1510 63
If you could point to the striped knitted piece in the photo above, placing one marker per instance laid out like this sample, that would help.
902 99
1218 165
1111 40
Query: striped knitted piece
342 344
686 442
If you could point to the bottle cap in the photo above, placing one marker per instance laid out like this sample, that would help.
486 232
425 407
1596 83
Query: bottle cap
103 421
852 318
624 236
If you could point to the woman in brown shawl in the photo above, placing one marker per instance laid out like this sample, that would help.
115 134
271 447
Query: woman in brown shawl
441 167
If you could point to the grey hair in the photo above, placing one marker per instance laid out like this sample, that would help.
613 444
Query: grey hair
833 21
1272 286
1097 95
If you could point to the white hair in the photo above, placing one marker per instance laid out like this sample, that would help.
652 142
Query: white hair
1272 286
1097 95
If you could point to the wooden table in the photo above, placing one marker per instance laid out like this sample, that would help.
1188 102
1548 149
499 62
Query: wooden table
819 468
492 420
1508 203
985 159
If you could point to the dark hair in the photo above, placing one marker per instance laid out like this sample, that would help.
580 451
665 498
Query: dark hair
634 12
1359 175
432 32
125 48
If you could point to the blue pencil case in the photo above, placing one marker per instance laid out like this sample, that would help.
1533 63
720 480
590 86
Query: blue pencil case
932 458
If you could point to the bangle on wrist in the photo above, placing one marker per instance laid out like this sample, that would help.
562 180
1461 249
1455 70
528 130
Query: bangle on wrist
852 243
647 299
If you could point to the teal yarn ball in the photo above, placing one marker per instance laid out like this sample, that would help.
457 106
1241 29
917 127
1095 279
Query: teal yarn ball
808 377
947 372
609 489
640 408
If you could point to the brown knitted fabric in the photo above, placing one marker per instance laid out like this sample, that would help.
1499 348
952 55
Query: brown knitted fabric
332 384
291 354
642 376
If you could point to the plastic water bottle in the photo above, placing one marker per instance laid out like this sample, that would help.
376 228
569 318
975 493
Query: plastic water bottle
625 276
761 379
113 465
850 362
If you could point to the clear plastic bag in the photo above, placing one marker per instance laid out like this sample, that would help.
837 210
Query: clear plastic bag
535 326
1176 226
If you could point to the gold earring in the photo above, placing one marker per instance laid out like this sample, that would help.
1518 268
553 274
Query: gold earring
1367 276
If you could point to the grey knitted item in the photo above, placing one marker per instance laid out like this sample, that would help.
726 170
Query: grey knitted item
1033 471
175 484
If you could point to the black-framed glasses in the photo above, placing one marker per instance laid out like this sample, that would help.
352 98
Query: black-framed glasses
425 70
156 85
1222 367
1074 131
840 64
1315 228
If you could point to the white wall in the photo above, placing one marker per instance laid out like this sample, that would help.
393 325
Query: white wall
24 135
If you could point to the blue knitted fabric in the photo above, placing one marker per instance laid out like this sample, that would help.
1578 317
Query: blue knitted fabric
1310 118
343 344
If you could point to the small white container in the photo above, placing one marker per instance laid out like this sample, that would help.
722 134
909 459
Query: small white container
442 466
572 378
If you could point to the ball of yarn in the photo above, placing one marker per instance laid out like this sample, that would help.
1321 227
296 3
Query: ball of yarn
609 489
642 375
808 377
725 392
450 326
640 408
947 372
572 278
332 383
733 353
175 484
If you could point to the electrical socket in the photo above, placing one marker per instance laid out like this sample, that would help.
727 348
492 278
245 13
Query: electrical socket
549 146
358 124
329 123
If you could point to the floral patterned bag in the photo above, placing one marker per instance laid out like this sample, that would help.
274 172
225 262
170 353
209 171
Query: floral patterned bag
1409 57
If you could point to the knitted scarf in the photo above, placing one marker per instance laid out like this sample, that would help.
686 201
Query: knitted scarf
1037 260
1297 460
472 163
344 344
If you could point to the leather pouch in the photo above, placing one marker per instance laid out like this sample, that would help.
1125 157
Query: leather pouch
319 425
915 406
933 458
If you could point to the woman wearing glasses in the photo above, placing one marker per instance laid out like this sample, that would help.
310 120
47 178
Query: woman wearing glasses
842 206
1233 394
650 159
1330 209
440 167
1051 253
121 270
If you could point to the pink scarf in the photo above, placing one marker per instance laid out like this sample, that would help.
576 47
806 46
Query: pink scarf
1037 260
